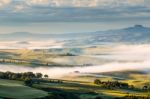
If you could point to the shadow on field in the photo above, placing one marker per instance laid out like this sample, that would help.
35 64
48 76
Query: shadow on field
59 94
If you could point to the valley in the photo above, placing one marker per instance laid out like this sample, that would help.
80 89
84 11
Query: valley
74 49
78 68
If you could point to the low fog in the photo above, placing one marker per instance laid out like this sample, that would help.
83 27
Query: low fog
140 53
30 44
58 72
127 53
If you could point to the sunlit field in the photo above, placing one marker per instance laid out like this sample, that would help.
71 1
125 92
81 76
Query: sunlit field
77 69
74 49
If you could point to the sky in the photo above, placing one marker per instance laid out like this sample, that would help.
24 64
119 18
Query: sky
71 16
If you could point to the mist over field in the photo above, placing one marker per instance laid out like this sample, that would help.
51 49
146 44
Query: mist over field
74 49
33 44
95 52
58 72
124 57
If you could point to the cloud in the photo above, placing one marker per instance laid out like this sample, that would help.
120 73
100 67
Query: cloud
86 3
108 3
116 3
38 2
4 2
37 11
18 7
135 2
38 14
51 3
56 2
78 3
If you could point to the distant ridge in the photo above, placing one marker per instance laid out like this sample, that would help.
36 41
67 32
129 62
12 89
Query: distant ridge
135 34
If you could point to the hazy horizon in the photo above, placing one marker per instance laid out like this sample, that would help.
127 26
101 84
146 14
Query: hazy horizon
66 27
63 16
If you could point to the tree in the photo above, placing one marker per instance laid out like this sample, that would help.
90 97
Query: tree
2 75
28 82
14 76
30 75
46 76
97 81
145 87
39 75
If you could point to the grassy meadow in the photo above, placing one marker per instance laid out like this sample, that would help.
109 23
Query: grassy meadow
16 90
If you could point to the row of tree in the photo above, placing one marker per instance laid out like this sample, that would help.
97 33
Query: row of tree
117 84
29 78
21 76
112 84
133 97
19 61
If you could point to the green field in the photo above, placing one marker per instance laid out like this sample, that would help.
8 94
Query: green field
72 89
88 90
16 90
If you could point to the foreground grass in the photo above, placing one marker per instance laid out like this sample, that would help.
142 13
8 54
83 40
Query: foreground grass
68 90
87 90
16 90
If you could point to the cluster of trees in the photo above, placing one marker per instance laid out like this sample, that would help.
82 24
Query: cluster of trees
112 84
146 88
29 78
30 82
117 84
12 61
20 76
54 81
20 61
133 97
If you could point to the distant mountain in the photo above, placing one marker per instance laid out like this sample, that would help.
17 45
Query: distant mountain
135 34
136 28
33 36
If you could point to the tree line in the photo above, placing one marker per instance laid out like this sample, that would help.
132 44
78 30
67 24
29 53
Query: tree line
112 84
21 76
117 84
29 78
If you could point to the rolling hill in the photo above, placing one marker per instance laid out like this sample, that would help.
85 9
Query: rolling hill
135 35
